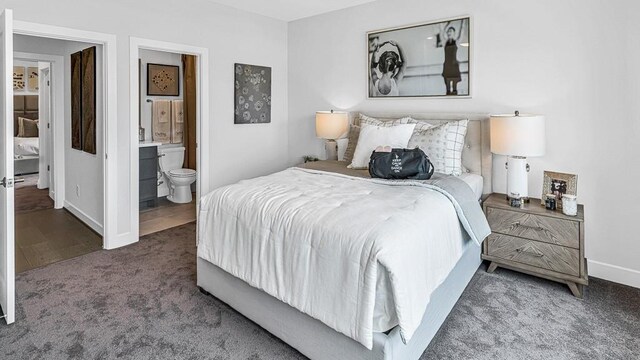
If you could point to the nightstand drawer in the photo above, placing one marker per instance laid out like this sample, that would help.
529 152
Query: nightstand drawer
535 227
546 256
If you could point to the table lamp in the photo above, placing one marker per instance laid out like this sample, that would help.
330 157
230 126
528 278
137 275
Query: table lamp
331 125
517 136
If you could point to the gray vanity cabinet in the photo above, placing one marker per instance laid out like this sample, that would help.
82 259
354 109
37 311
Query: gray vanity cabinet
148 190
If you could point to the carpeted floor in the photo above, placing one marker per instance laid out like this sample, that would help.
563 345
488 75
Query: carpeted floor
141 302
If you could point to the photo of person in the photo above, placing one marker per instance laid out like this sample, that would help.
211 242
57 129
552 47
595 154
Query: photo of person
451 66
421 60
387 68
558 188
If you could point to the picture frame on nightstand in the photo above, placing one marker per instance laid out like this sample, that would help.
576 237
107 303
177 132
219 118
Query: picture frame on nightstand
558 184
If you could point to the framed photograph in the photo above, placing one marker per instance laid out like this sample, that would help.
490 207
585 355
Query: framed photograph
424 60
163 80
252 100
32 79
19 81
558 184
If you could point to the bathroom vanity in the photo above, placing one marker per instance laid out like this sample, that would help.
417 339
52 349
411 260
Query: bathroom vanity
148 178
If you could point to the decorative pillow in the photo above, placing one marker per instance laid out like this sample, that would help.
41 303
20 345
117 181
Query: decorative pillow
354 133
354 130
27 127
443 144
372 136
364 119
342 148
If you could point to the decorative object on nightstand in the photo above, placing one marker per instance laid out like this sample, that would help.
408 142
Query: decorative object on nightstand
536 241
559 184
517 136
309 158
331 125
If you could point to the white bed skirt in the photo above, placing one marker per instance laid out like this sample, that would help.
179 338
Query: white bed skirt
316 340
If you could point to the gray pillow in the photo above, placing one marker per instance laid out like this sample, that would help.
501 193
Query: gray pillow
27 127
354 134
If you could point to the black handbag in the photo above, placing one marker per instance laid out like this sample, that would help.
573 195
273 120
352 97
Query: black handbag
411 164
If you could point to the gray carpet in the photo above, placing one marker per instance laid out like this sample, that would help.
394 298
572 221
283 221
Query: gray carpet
141 302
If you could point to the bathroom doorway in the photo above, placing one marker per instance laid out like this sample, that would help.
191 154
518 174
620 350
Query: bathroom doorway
168 128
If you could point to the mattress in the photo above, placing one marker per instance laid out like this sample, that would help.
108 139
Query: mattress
26 146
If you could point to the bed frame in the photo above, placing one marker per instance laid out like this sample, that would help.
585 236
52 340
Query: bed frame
318 341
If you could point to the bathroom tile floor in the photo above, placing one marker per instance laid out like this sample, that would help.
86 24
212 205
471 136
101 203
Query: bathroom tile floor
166 215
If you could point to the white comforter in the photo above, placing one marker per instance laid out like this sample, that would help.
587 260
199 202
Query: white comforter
315 240
26 146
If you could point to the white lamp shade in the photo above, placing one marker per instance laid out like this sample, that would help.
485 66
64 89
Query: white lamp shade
518 135
331 125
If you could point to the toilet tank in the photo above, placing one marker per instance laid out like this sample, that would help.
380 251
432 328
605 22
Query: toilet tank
170 158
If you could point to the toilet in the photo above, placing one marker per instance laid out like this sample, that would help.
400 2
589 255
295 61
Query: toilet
179 180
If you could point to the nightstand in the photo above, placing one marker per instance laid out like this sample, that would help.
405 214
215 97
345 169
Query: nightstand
536 241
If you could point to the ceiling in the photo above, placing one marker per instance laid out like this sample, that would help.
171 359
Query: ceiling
289 10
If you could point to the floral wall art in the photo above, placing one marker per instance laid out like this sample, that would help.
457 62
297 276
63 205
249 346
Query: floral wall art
252 94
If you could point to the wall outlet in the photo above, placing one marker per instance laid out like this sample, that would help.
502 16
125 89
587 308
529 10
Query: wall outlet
77 190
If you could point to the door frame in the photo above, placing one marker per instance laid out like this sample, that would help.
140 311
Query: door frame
56 135
110 110
202 112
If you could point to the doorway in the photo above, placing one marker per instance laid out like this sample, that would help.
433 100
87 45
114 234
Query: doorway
175 164
52 221
9 27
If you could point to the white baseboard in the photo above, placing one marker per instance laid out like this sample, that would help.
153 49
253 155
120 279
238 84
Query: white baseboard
88 220
121 240
614 273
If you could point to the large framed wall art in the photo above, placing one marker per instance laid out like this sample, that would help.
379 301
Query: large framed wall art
424 60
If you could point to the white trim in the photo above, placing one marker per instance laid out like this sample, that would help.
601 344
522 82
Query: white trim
7 262
614 273
88 220
202 113
108 42
56 120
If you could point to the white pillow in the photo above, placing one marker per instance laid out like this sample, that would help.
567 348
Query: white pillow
443 144
342 148
372 136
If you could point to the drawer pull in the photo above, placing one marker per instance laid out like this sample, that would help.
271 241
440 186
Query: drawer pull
536 228
532 253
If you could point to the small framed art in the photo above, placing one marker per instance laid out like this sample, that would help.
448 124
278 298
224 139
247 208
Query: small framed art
19 81
163 80
558 184
252 94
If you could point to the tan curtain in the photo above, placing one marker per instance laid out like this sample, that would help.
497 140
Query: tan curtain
190 103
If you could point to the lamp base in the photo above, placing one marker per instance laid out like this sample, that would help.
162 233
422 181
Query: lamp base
517 178
331 149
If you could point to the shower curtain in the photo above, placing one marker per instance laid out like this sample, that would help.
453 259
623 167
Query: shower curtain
190 103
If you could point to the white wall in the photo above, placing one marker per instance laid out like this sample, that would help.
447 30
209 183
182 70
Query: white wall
84 180
574 61
155 57
230 35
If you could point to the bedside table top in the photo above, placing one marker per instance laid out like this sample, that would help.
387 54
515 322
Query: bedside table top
499 201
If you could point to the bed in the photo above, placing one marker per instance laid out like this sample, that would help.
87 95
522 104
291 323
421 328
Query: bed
26 149
372 316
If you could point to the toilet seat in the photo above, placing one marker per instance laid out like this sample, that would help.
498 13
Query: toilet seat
182 172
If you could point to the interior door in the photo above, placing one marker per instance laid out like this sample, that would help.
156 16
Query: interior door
7 226
44 111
